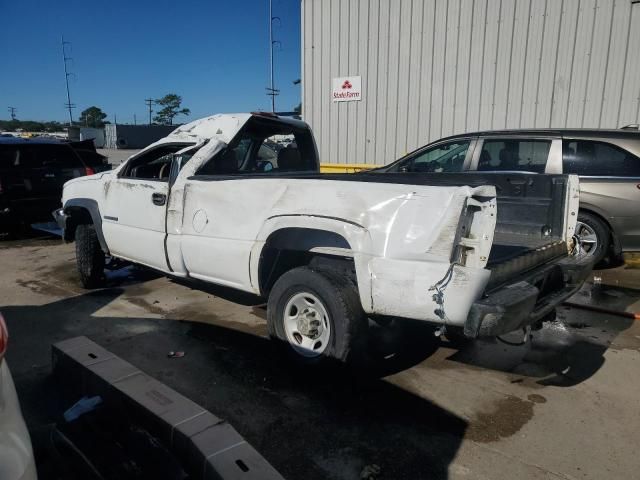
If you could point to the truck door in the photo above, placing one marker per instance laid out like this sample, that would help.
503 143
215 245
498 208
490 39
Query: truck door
135 206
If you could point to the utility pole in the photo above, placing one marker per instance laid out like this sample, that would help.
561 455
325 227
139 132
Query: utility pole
135 122
65 59
271 90
149 102
12 111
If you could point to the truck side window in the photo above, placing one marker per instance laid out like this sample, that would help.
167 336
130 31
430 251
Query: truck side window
154 164
253 153
445 157
507 155
585 157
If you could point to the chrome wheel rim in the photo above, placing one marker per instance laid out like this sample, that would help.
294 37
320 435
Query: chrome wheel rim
588 237
306 324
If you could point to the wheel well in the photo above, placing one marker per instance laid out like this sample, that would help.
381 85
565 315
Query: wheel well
613 243
77 216
289 248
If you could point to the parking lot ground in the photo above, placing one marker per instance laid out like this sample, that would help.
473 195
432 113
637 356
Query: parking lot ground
563 406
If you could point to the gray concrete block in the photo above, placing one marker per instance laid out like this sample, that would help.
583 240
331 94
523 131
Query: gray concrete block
71 357
183 431
99 377
113 369
241 462
160 408
86 354
207 446
71 343
213 440
148 393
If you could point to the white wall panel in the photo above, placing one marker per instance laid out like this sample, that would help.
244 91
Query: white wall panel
434 68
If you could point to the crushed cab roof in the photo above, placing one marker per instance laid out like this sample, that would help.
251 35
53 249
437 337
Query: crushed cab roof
223 126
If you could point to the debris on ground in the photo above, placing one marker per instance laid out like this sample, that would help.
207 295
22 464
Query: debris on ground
370 472
82 406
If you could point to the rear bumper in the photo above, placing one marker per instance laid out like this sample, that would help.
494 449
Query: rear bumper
16 454
528 298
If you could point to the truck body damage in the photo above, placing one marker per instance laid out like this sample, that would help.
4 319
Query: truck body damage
424 248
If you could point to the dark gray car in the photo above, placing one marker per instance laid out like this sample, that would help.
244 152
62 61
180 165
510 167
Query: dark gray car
607 161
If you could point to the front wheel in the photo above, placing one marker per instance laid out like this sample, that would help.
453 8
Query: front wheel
316 315
90 258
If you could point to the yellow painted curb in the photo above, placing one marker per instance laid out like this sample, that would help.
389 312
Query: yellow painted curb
344 167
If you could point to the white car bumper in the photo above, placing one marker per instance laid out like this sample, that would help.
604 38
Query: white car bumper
16 455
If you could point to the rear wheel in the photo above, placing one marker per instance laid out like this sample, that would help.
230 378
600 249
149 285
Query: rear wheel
90 258
316 315
594 235
456 337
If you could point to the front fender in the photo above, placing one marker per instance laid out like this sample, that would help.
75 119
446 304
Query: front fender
90 206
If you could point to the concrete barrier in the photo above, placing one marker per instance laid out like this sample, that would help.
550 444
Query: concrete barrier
207 446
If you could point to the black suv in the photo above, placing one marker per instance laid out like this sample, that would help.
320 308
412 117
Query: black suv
32 173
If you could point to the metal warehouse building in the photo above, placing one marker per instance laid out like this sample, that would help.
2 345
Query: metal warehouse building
383 77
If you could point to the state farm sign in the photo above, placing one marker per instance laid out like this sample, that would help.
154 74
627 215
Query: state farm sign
347 89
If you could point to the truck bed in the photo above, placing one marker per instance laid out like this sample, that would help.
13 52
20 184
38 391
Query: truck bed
530 208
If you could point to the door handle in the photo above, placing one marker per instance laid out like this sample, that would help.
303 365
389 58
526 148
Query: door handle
159 199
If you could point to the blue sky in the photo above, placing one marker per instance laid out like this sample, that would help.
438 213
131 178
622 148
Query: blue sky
214 53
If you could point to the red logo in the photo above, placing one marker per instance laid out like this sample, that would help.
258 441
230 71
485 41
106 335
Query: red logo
346 85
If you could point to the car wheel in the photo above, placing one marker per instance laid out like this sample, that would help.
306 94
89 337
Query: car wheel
90 258
316 316
594 235
457 338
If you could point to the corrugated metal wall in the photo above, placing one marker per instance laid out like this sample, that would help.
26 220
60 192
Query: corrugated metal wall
434 68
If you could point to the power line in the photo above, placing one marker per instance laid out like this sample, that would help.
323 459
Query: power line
65 59
272 91
149 102
12 111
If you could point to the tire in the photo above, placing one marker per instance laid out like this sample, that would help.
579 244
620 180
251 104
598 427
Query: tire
457 338
588 227
90 258
329 323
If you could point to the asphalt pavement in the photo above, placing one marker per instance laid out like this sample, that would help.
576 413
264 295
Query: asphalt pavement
563 406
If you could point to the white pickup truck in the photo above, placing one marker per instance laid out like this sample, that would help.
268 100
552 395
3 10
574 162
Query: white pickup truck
220 201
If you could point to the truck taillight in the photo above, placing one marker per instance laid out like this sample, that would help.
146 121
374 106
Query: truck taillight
4 337
88 171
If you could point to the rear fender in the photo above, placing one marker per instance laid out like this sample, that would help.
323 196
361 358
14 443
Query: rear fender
357 236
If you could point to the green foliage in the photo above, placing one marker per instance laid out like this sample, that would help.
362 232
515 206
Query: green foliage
92 117
171 104
30 126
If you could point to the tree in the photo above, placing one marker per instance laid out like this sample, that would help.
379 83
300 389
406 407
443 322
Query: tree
92 117
171 108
